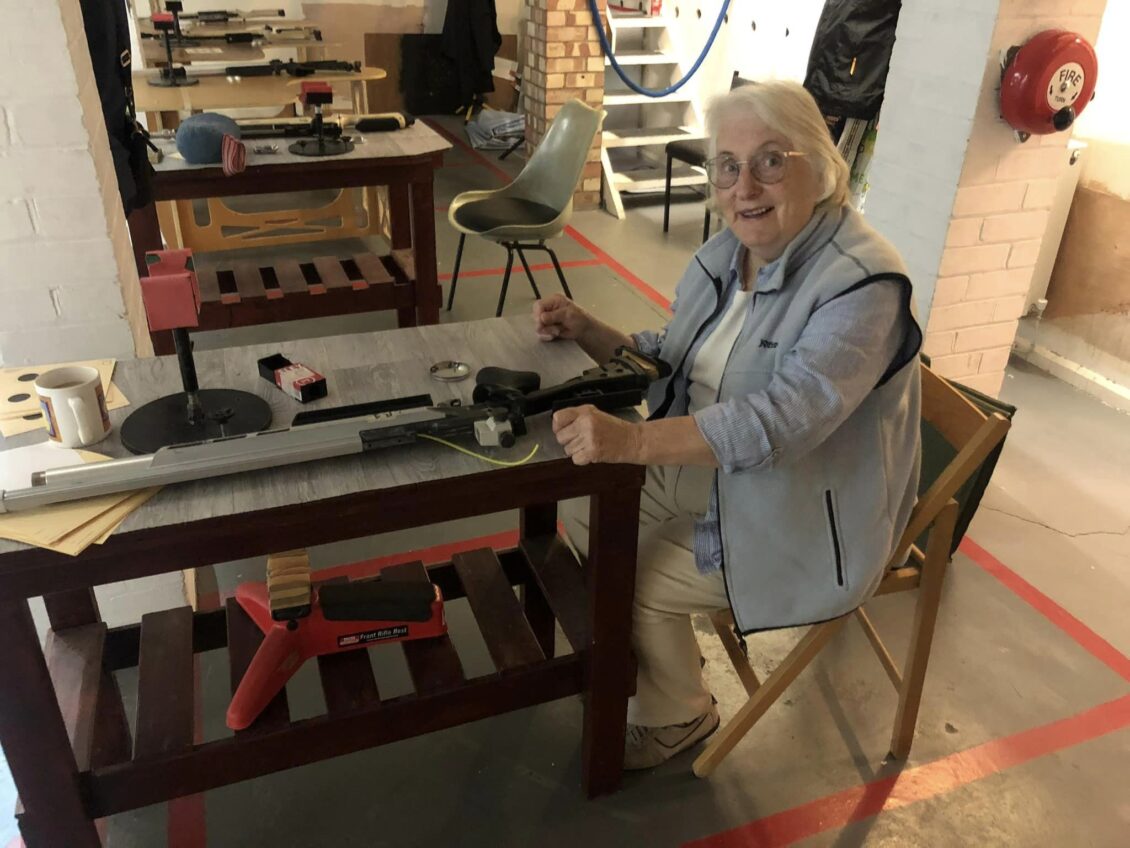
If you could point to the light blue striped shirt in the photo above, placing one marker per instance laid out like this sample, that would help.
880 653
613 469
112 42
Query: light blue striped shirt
744 432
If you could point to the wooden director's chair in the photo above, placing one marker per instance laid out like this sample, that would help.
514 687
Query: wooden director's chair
976 437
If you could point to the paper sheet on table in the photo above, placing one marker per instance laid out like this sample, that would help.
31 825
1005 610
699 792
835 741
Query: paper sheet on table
69 527
102 527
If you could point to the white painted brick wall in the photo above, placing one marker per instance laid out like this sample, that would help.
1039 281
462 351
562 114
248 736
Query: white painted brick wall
968 260
987 199
64 249
984 337
950 290
52 263
958 365
58 204
997 284
1024 253
15 220
50 121
938 344
69 217
1015 226
1040 193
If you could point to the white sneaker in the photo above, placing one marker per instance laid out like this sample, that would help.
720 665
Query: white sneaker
647 747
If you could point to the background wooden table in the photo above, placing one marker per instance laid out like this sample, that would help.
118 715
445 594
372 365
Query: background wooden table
62 724
404 160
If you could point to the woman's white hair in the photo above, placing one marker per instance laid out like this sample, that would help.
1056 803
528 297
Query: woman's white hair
786 107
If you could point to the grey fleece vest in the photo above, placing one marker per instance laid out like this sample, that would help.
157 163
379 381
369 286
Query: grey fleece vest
804 538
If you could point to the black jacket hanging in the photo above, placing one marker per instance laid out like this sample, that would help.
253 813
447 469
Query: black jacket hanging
851 52
107 37
471 40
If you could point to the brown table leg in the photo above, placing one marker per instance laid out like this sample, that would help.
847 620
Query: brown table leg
145 233
538 520
35 740
400 226
611 577
428 294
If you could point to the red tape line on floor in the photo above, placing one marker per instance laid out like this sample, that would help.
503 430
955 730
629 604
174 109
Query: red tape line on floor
186 824
1084 636
922 782
956 770
544 266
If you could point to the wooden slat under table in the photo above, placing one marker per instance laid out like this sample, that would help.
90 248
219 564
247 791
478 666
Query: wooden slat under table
248 293
165 689
563 584
347 677
404 161
74 661
504 627
433 663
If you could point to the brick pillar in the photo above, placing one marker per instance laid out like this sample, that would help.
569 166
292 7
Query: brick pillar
965 203
564 62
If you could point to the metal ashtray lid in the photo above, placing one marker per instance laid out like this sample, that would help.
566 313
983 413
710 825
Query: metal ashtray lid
450 371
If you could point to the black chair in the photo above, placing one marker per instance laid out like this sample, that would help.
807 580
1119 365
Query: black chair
693 152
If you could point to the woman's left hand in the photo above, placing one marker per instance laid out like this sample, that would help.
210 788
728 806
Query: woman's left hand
589 435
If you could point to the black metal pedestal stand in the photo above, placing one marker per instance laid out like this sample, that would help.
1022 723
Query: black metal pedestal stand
194 414
319 145
171 76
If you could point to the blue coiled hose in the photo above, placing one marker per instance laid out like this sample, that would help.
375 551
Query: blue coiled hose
636 87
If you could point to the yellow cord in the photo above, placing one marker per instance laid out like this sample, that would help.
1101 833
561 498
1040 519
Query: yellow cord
502 462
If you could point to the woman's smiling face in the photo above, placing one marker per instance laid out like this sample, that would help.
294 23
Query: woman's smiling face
764 217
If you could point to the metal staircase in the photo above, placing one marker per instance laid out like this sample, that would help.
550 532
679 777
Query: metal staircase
637 126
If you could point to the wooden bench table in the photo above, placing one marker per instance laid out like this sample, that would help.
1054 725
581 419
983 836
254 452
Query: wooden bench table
404 160
62 722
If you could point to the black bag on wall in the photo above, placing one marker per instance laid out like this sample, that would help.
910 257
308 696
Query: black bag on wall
851 51
107 37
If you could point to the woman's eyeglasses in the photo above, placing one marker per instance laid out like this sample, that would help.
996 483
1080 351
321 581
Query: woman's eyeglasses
767 168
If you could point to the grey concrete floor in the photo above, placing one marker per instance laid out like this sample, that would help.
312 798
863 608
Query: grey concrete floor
1022 738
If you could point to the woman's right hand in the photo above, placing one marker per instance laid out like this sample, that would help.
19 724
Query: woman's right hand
557 317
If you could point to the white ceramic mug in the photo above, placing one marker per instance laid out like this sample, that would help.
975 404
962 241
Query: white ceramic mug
74 407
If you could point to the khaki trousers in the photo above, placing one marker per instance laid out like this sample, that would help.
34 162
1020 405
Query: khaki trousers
669 685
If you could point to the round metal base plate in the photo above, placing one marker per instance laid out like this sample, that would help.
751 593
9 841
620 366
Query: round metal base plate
176 82
164 422
321 147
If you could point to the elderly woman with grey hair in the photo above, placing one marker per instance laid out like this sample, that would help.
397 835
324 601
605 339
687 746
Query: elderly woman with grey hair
783 451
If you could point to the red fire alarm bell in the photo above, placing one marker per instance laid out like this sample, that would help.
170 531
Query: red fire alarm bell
1047 82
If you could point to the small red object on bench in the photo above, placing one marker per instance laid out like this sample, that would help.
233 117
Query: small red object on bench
171 293
316 93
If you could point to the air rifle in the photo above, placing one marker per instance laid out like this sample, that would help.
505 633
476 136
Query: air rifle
224 16
502 400
277 67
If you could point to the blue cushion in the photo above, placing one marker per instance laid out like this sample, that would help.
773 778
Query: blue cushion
200 137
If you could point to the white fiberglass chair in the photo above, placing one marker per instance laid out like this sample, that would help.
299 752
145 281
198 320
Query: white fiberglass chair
537 205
